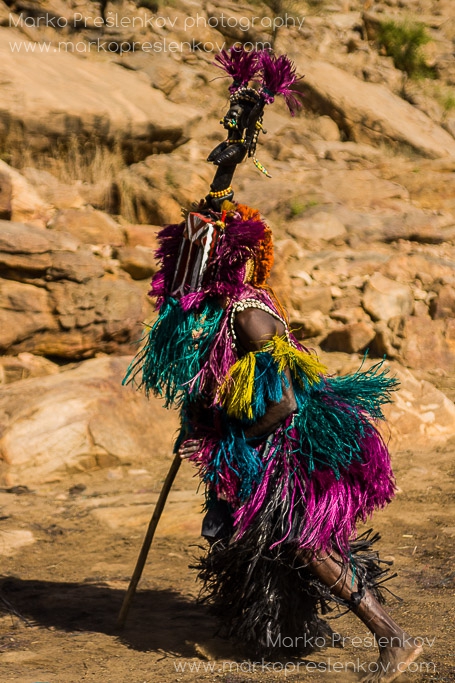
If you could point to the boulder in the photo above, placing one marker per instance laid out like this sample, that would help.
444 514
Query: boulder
23 366
27 249
6 196
88 226
326 128
78 420
139 262
103 315
80 266
56 193
420 416
362 188
385 343
160 186
110 104
350 338
306 299
307 326
419 226
368 111
426 267
429 343
349 314
361 225
347 151
19 200
58 300
384 299
28 252
443 305
141 235
431 184
25 311
319 226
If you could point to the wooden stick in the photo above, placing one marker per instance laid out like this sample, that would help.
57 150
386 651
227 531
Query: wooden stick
141 560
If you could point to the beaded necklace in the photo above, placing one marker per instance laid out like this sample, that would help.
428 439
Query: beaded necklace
242 305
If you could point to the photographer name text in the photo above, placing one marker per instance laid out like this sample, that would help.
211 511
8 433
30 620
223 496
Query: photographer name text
114 20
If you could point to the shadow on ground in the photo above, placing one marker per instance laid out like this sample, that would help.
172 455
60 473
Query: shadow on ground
158 620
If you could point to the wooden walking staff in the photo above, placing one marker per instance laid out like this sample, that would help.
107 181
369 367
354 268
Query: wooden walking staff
141 560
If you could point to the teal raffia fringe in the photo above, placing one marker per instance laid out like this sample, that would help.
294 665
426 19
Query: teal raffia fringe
236 468
268 384
334 417
369 389
176 345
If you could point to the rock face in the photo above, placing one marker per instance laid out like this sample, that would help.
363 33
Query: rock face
142 236
38 99
420 416
58 300
78 420
26 310
160 191
59 194
369 111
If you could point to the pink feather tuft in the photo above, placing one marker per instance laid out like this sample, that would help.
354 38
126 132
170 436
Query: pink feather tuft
278 75
242 65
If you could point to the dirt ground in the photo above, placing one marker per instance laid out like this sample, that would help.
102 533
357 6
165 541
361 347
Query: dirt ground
68 586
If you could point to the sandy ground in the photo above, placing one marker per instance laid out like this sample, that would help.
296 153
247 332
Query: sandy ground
68 586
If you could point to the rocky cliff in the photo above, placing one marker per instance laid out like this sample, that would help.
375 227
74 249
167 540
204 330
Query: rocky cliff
107 115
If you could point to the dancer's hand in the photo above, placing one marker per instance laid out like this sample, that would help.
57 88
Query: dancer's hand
189 447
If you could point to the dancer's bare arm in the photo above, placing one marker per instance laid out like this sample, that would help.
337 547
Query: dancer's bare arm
254 328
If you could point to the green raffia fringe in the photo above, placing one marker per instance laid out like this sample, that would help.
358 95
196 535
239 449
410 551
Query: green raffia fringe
174 351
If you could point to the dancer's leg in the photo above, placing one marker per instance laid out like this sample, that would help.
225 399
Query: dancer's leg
396 648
